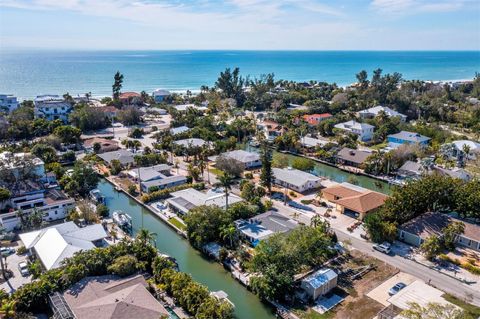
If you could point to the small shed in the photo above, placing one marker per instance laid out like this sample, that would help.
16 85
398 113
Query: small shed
319 283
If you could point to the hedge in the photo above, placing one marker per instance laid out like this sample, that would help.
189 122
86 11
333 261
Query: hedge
165 193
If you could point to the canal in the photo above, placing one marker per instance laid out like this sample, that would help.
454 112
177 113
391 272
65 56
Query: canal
211 274
334 173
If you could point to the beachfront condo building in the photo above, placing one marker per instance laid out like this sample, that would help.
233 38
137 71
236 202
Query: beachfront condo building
8 102
52 107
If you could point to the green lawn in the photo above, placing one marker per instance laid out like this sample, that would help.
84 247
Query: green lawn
311 314
379 146
216 171
472 310
177 223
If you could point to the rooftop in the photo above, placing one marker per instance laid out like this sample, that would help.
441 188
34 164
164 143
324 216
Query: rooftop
410 136
242 156
377 109
178 130
351 155
417 292
320 277
432 223
354 125
54 244
294 176
191 142
123 155
266 224
356 198
189 198
109 297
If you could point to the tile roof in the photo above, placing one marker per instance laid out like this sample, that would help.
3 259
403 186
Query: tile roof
128 95
363 203
312 119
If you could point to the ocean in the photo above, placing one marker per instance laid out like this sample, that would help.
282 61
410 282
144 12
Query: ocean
29 73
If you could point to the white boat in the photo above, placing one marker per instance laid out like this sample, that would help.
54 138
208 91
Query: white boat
97 196
122 219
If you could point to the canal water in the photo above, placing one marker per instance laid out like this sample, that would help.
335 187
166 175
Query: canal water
333 173
211 274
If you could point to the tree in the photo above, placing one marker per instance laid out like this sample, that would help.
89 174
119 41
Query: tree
450 234
145 236
88 118
129 116
68 134
115 167
433 311
379 229
4 194
431 247
228 233
204 224
266 175
229 165
125 266
231 84
82 180
303 164
117 85
225 181
194 172
102 210
97 147
45 152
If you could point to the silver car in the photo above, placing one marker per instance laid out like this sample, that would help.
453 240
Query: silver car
23 268
395 289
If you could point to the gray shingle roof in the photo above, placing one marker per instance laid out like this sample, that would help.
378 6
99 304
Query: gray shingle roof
124 156
242 156
293 176
351 155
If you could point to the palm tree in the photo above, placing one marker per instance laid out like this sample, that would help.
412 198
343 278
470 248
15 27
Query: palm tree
7 310
145 236
315 221
228 232
225 181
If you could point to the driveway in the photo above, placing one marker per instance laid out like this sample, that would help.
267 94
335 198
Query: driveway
17 280
380 293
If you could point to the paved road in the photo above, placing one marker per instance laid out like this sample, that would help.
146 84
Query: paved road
438 280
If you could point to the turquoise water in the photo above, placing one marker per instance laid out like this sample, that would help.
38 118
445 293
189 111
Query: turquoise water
30 73
209 273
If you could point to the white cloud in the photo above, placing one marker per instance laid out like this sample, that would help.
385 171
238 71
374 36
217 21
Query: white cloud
416 6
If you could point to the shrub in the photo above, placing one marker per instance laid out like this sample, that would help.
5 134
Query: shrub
132 189
471 268
306 201
248 175
21 250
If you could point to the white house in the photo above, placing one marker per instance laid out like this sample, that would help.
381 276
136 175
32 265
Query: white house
8 102
460 146
54 244
295 179
52 107
247 159
184 200
17 162
319 283
156 177
363 130
374 111
52 203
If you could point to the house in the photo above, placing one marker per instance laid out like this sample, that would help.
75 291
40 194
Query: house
159 95
8 102
353 200
108 297
110 111
271 129
53 204
363 130
106 145
184 200
248 160
311 143
53 244
456 172
52 107
319 283
263 226
190 142
410 170
459 147
415 231
295 107
295 179
125 157
179 130
130 98
156 177
350 157
375 111
315 119
404 137
418 292
185 107
17 162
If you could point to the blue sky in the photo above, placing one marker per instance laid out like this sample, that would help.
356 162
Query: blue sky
241 24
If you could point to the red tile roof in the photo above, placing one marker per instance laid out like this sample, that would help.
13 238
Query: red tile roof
313 119
128 95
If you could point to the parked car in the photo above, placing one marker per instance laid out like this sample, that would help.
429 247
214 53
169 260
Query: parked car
384 247
395 289
23 268
7 251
